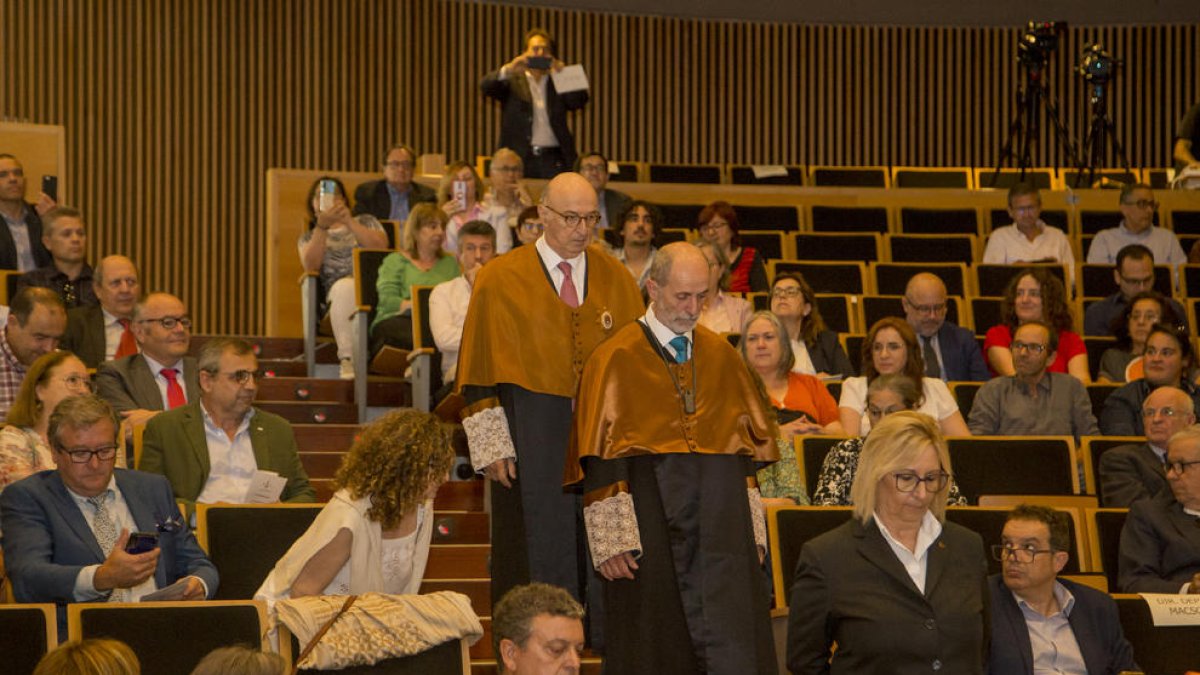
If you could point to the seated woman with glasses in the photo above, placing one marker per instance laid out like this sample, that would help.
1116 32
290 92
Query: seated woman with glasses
718 223
1123 363
1167 362
24 447
886 394
891 347
802 403
459 195
815 347
1036 294
721 312
872 585
375 532
529 226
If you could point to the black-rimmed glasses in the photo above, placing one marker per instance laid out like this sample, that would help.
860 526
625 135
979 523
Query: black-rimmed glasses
907 481
83 455
1021 554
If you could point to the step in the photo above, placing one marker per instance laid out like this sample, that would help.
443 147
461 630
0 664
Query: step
264 347
321 464
389 392
325 437
458 561
461 527
282 368
478 590
305 389
460 495
298 412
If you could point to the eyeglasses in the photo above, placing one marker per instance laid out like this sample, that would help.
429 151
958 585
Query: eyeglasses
84 455
79 382
572 219
1143 204
1180 467
169 322
908 481
713 227
786 292
935 308
1021 554
1168 413
532 226
239 376
1032 347
398 165
1141 283
1165 352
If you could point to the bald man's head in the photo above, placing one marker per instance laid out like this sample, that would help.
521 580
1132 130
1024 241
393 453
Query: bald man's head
925 304
1162 425
569 197
678 285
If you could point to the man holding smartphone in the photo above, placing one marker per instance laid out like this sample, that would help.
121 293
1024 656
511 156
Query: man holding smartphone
533 118
87 532
21 246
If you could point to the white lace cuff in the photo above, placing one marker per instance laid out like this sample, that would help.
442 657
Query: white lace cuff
488 437
757 517
612 528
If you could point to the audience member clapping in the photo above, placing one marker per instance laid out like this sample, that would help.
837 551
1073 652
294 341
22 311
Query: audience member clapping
1035 294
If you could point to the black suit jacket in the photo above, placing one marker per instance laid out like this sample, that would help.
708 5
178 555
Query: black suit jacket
8 247
1094 621
128 383
372 197
1129 473
851 588
828 356
85 334
615 203
962 359
1160 546
516 113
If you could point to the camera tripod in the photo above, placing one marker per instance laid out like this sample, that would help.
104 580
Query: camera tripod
1023 132
1101 131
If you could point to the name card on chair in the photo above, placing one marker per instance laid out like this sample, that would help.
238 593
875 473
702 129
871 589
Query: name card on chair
762 171
1168 609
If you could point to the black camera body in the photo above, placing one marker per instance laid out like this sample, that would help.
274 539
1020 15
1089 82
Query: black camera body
1039 40
1096 65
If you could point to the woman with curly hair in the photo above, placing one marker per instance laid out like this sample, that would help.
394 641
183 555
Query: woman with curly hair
1036 295
374 534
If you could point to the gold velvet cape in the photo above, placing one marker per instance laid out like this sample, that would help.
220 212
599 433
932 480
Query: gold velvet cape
519 332
628 406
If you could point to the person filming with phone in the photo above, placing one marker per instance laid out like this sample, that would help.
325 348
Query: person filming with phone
89 532
533 119
21 246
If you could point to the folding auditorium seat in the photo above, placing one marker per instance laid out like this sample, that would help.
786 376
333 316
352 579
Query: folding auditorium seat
1091 222
964 395
1090 450
839 311
744 175
992 280
1098 392
1185 222
876 307
1157 179
939 221
852 343
1042 179
1097 280
985 313
849 176
780 218
988 523
1104 532
1014 465
811 453
628 172
225 531
770 245
27 632
891 278
788 528
680 216
1190 278
849 219
932 177
685 173
1075 179
1157 649
856 246
923 248
826 277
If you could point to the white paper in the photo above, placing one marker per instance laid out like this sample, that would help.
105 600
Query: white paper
570 78
265 487
613 168
1169 609
175 591
762 171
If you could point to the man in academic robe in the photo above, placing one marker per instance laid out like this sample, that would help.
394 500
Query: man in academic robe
669 430
535 315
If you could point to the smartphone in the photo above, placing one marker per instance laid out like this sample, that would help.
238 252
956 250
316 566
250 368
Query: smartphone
460 194
141 542
50 186
539 62
325 194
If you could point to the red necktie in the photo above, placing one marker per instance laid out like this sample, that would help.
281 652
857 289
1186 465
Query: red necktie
567 290
127 346
175 396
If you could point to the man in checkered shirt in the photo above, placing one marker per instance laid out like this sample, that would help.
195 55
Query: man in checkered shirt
36 321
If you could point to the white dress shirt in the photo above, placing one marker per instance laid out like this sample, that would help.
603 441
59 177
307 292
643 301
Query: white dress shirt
541 136
1007 245
551 260
447 313
916 562
1051 639
663 334
118 511
231 462
112 334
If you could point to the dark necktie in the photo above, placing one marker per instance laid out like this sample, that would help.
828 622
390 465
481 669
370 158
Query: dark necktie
932 369
175 397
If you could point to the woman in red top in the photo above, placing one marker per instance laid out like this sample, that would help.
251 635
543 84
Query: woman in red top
1036 295
718 223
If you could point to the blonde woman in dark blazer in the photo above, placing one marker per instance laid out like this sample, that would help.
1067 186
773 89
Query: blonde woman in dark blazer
898 589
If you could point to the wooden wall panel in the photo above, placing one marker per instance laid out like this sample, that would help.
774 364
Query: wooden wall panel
175 110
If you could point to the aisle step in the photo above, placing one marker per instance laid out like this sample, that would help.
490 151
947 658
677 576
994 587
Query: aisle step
458 561
299 412
325 437
305 389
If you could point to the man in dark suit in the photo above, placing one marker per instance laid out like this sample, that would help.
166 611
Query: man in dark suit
1160 543
66 530
394 196
21 246
99 333
1044 624
219 448
1137 471
533 118
162 376
951 352
594 167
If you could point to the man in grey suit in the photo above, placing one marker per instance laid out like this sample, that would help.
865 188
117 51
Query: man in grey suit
99 333
1160 543
594 167
66 530
162 376
1137 471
